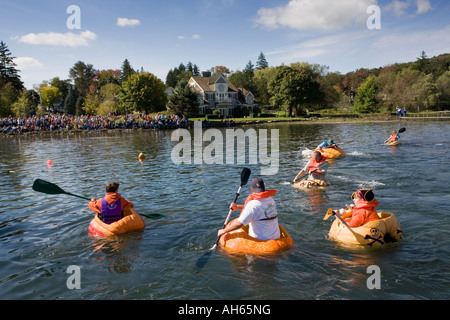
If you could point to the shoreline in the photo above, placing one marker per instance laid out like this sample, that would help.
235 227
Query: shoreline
240 122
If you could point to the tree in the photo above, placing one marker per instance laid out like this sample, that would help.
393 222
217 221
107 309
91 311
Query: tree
183 101
443 87
8 71
82 75
143 92
8 95
127 71
222 70
49 96
70 101
261 80
24 106
261 63
366 97
293 89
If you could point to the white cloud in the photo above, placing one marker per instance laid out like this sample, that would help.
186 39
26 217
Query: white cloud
318 14
24 63
194 37
400 8
68 39
423 6
125 22
309 49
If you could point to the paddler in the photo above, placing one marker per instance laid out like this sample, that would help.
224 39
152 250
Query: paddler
312 168
259 212
364 210
327 144
394 137
110 208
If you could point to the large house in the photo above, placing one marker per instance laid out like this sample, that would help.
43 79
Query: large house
217 93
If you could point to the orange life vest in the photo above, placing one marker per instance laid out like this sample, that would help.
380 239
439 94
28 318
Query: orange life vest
393 137
313 164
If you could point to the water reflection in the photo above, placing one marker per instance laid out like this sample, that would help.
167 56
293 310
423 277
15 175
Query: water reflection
116 254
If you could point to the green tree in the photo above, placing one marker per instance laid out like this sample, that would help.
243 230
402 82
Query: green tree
443 87
82 75
8 71
70 101
293 88
127 71
366 97
261 80
24 106
143 92
49 96
8 95
261 63
183 101
432 93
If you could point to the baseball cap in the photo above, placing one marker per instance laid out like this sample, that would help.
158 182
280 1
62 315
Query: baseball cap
258 185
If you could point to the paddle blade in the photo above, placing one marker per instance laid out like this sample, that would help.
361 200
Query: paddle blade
328 214
402 130
245 174
204 259
46 187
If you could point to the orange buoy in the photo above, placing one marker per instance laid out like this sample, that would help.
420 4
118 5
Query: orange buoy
141 157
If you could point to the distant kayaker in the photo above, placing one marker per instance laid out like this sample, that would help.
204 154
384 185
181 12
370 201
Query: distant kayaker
327 144
394 137
364 210
312 167
110 207
259 212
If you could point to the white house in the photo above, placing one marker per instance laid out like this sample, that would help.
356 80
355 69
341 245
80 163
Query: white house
217 93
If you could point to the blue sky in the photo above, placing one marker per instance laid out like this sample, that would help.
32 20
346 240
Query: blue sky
159 35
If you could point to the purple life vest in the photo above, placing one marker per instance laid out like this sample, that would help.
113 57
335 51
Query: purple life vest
111 212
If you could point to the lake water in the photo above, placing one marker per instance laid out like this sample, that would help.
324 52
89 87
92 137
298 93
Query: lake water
42 235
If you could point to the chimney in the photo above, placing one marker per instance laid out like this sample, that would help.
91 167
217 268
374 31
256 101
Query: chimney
206 74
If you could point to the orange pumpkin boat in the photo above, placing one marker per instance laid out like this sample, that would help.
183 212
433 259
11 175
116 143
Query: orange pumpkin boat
333 153
132 221
239 241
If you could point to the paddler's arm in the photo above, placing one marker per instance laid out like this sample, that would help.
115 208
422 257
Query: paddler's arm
302 172
233 225
94 206
234 206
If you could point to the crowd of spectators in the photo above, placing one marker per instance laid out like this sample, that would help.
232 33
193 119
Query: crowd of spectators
55 122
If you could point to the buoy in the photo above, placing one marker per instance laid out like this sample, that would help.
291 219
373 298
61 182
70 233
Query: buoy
141 157
49 162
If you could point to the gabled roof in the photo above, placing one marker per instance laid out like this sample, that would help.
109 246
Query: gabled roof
207 83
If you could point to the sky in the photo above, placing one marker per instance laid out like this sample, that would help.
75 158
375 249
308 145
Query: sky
48 37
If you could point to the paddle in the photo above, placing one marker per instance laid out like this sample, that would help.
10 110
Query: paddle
330 213
323 166
399 131
51 188
245 174
10 171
